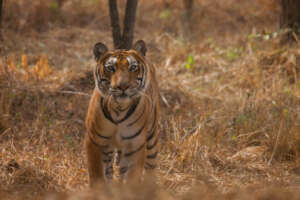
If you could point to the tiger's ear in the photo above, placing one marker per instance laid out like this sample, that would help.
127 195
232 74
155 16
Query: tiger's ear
99 50
140 47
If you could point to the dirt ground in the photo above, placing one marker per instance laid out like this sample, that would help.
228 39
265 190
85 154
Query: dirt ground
230 123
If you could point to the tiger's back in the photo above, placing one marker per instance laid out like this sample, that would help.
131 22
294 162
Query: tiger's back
123 114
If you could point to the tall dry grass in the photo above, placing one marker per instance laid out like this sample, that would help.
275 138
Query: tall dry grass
230 101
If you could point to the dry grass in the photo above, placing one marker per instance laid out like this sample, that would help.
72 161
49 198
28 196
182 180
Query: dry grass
230 117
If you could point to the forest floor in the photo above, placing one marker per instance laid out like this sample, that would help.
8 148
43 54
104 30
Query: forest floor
230 123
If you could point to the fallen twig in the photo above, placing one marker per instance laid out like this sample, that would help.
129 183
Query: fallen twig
4 132
165 100
74 92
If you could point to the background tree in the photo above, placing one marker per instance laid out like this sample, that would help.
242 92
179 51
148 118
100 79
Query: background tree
1 13
124 40
290 16
60 3
187 15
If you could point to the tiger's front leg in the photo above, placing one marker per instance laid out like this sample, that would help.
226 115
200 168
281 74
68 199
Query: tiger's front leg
132 163
100 162
108 155
94 162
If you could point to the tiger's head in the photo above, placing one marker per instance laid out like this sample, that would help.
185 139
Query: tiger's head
121 74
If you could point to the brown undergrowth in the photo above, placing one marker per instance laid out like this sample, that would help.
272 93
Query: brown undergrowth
230 103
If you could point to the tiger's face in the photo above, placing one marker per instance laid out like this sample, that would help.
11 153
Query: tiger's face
120 74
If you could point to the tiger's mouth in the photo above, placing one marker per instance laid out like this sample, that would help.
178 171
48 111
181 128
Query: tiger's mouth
123 95
119 94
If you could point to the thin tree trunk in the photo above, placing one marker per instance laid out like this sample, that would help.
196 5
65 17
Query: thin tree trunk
1 13
166 4
129 21
124 40
60 3
188 6
1 23
114 20
290 16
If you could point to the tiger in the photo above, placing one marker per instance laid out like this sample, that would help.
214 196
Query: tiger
123 115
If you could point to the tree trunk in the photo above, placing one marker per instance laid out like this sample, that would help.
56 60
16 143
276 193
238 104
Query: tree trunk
1 16
114 20
187 25
1 13
125 40
166 4
60 3
290 16
129 21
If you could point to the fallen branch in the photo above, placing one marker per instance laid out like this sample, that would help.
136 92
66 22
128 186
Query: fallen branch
74 92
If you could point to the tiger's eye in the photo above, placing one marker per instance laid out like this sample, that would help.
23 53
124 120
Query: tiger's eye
134 67
110 68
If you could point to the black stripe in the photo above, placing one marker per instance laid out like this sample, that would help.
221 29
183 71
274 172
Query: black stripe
107 160
152 131
98 145
104 137
149 147
144 77
151 135
98 77
128 114
149 166
105 112
133 152
118 157
152 156
100 85
107 153
98 74
117 112
131 110
142 113
123 170
103 80
134 135
122 110
109 170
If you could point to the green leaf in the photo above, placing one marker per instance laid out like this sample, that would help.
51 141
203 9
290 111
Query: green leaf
187 66
54 5
298 85
250 36
189 62
190 59
231 55
165 14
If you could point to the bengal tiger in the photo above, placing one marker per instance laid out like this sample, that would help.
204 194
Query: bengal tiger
123 115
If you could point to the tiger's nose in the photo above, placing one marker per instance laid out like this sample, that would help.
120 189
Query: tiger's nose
123 86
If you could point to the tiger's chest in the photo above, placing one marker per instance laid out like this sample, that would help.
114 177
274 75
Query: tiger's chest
128 135
129 126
